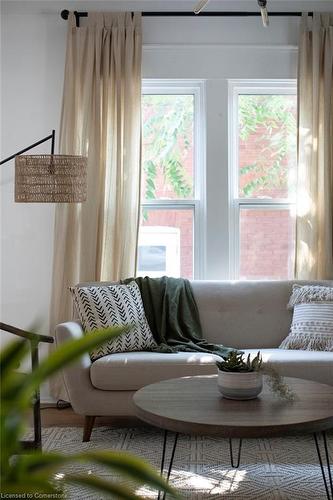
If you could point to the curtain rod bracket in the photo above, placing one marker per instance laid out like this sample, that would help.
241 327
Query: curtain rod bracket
65 14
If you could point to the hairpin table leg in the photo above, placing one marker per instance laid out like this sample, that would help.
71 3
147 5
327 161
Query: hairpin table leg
171 459
327 480
232 455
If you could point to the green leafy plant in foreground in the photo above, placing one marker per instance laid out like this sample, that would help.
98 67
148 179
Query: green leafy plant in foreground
235 362
37 472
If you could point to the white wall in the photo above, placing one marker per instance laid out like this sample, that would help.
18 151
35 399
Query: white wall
32 72
33 52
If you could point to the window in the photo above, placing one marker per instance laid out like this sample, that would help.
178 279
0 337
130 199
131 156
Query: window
262 172
172 179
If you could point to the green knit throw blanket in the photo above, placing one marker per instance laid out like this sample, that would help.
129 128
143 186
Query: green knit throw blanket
173 316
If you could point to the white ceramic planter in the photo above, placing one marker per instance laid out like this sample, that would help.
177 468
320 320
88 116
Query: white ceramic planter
233 385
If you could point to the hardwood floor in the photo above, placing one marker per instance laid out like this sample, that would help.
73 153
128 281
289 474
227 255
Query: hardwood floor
52 417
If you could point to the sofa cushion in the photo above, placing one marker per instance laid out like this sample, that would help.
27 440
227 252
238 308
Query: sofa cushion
245 314
310 365
133 370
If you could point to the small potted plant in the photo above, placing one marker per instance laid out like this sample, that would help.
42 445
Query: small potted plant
240 378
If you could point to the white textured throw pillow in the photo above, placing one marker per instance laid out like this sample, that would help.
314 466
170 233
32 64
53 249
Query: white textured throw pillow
114 305
312 324
310 293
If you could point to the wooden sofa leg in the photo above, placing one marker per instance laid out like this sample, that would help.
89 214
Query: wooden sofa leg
88 427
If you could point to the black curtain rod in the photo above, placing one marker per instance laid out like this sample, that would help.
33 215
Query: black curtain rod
64 14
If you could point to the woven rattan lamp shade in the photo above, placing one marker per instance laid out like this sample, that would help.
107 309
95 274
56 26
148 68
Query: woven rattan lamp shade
50 179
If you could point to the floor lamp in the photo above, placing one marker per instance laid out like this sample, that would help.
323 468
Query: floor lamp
45 179
49 178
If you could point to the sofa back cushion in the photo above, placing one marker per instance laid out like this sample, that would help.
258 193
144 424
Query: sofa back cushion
245 314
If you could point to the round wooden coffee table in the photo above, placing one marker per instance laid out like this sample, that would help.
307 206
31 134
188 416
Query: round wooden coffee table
193 405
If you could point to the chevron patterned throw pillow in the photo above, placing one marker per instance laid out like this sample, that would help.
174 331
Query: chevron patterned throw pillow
114 305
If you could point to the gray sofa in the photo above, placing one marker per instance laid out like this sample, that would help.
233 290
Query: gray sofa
248 315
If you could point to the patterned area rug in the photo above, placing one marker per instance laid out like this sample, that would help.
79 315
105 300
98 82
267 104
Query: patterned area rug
274 469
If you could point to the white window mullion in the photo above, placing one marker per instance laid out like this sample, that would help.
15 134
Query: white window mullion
267 202
234 241
199 242
200 209
233 176
171 204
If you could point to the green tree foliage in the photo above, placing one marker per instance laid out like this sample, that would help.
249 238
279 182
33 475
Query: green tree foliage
269 122
167 132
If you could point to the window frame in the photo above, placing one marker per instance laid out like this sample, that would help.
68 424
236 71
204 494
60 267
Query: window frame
236 204
198 202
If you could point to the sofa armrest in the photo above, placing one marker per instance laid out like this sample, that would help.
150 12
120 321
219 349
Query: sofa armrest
77 375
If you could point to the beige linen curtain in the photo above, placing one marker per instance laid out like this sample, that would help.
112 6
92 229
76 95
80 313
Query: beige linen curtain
314 224
101 119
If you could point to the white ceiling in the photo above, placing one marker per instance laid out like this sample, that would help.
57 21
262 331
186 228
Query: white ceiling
33 6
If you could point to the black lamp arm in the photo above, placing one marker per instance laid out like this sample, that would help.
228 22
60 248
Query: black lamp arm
49 137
